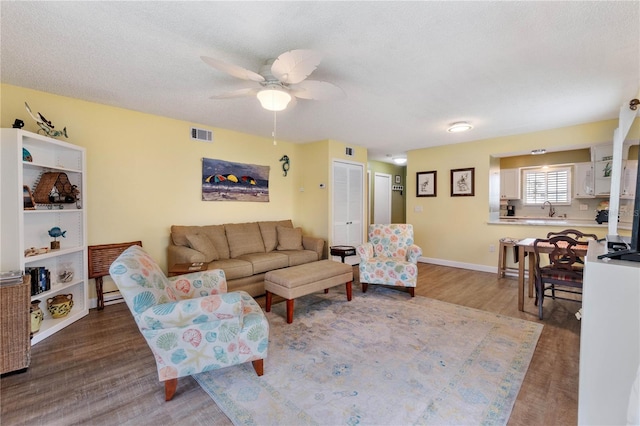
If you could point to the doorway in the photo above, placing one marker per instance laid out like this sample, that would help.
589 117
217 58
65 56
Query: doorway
382 199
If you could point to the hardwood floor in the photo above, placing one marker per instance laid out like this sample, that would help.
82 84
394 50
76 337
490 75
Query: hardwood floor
99 371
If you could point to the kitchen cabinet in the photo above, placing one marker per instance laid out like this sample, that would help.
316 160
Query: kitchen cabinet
629 176
602 172
583 180
510 184
25 222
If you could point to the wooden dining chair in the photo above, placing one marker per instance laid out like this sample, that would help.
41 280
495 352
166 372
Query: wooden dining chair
563 273
576 235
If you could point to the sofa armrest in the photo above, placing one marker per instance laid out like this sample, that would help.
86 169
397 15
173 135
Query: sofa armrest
199 284
182 254
227 307
413 253
314 244
365 251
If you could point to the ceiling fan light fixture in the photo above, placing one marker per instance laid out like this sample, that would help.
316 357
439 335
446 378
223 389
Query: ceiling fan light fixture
459 126
273 99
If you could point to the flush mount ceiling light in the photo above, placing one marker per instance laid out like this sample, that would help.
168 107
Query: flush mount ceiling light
459 126
273 98
538 151
400 160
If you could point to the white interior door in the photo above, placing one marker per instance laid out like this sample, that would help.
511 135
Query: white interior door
382 199
348 205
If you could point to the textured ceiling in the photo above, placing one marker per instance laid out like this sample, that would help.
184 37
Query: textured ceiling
409 69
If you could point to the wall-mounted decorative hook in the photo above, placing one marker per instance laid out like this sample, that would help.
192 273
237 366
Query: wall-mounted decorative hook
285 164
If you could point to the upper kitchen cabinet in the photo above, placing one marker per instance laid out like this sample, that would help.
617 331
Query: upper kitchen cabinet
583 183
510 184
629 176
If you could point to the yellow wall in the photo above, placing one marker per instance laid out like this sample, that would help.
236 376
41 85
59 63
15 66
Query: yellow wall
455 229
144 171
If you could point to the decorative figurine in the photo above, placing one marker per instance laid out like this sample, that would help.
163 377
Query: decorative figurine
285 165
54 233
45 125
18 124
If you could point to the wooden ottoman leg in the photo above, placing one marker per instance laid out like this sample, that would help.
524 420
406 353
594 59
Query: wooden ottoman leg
364 287
268 301
412 291
289 311
349 288
326 290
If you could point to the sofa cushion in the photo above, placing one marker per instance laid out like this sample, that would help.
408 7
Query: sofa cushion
218 237
300 257
233 268
264 262
269 233
179 234
215 233
203 244
289 238
244 238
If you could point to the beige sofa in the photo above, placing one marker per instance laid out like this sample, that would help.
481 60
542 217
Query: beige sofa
244 251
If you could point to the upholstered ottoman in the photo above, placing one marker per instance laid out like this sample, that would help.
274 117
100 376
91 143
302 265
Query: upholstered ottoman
301 280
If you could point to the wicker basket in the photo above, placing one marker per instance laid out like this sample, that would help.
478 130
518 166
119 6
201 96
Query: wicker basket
15 326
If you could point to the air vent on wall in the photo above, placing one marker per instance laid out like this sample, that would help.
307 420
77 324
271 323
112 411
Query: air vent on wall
349 151
201 134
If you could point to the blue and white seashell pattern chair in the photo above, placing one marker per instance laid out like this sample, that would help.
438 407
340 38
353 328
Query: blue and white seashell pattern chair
190 322
390 257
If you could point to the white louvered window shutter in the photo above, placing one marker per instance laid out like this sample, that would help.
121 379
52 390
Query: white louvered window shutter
552 185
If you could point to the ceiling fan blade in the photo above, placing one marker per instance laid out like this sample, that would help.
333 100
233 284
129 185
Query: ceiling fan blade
233 70
295 65
317 90
236 94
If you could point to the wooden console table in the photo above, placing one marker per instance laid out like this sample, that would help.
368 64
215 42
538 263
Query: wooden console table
100 259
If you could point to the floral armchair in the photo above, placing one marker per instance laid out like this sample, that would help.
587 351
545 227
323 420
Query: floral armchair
390 257
190 322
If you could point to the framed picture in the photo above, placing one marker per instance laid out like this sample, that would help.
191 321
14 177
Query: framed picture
426 184
463 182
27 198
398 181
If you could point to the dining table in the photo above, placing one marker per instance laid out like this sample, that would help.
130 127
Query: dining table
525 247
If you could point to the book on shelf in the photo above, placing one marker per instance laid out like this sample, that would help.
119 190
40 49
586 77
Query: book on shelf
40 279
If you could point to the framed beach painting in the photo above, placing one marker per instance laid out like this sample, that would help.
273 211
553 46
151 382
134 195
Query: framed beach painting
229 181
463 182
426 184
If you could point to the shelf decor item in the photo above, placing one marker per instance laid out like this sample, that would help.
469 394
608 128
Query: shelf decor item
54 233
36 316
27 199
55 187
59 306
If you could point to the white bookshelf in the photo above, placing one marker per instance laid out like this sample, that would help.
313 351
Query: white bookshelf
22 228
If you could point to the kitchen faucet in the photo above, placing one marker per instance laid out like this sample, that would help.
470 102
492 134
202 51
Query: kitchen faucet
552 211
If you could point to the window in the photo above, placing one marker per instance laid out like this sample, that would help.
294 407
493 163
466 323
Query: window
547 184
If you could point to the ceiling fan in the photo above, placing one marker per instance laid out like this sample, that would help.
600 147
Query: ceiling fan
281 80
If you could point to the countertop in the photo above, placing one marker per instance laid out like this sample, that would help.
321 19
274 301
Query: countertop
554 221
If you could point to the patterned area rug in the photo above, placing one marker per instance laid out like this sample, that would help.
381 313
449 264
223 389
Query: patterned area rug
382 359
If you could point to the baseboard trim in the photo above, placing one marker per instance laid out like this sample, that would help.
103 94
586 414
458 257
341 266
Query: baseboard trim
461 265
